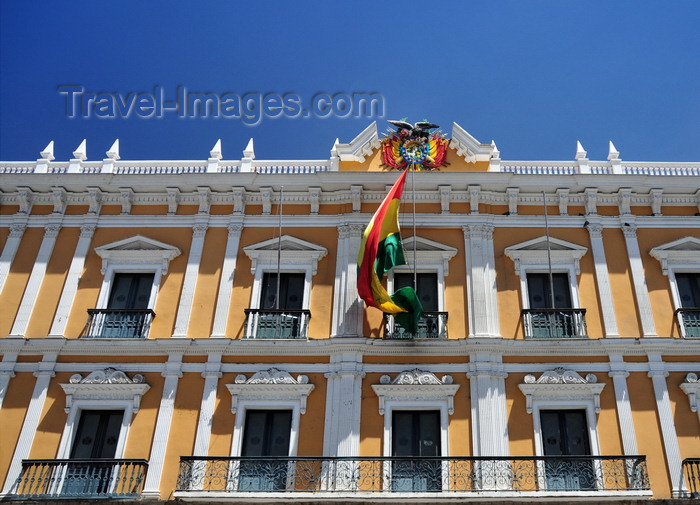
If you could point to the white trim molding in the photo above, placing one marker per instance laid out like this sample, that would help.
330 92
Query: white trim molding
293 253
106 385
560 385
270 385
683 253
137 250
532 254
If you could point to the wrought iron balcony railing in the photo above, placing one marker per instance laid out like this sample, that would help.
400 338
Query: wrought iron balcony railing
598 474
118 323
688 322
270 323
691 470
430 325
555 323
80 478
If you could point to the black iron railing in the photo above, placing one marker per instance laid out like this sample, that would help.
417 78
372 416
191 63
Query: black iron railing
430 325
691 470
688 322
270 323
118 323
80 478
605 474
555 323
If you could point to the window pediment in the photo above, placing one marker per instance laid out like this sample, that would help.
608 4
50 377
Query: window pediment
561 385
533 253
137 250
270 385
415 386
679 253
293 251
428 253
105 385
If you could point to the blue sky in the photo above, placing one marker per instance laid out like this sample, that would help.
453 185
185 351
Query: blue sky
534 76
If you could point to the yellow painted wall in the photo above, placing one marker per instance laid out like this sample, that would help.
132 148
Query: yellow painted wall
686 422
52 285
207 288
520 424
53 420
18 276
648 431
621 283
14 407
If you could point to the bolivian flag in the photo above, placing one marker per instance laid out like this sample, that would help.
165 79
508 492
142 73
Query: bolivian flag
380 250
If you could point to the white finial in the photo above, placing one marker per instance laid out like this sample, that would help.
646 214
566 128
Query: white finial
81 152
216 150
580 151
613 154
249 151
113 152
334 149
47 153
495 153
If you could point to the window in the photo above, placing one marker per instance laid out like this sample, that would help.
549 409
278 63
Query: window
267 433
286 319
298 262
564 407
132 271
96 438
433 323
416 434
540 320
565 433
680 261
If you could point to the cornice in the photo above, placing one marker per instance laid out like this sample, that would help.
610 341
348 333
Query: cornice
363 346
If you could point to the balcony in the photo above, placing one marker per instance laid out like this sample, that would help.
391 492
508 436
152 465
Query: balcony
276 324
80 478
555 323
430 325
691 471
205 478
688 322
118 323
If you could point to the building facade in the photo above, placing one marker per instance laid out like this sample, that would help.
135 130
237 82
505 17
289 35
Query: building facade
191 329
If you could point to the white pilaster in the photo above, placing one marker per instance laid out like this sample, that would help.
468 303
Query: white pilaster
172 374
488 405
31 419
7 371
228 269
641 292
31 291
482 302
211 374
9 251
189 283
70 286
619 374
343 401
658 374
602 279
347 306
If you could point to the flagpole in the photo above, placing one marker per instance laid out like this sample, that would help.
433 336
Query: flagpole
413 194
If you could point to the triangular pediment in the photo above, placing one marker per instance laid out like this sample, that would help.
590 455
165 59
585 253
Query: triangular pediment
428 253
533 253
137 250
293 252
681 252
137 243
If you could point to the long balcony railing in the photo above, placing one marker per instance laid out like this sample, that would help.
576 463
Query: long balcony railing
555 323
80 478
688 322
282 324
597 474
430 325
691 470
118 323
